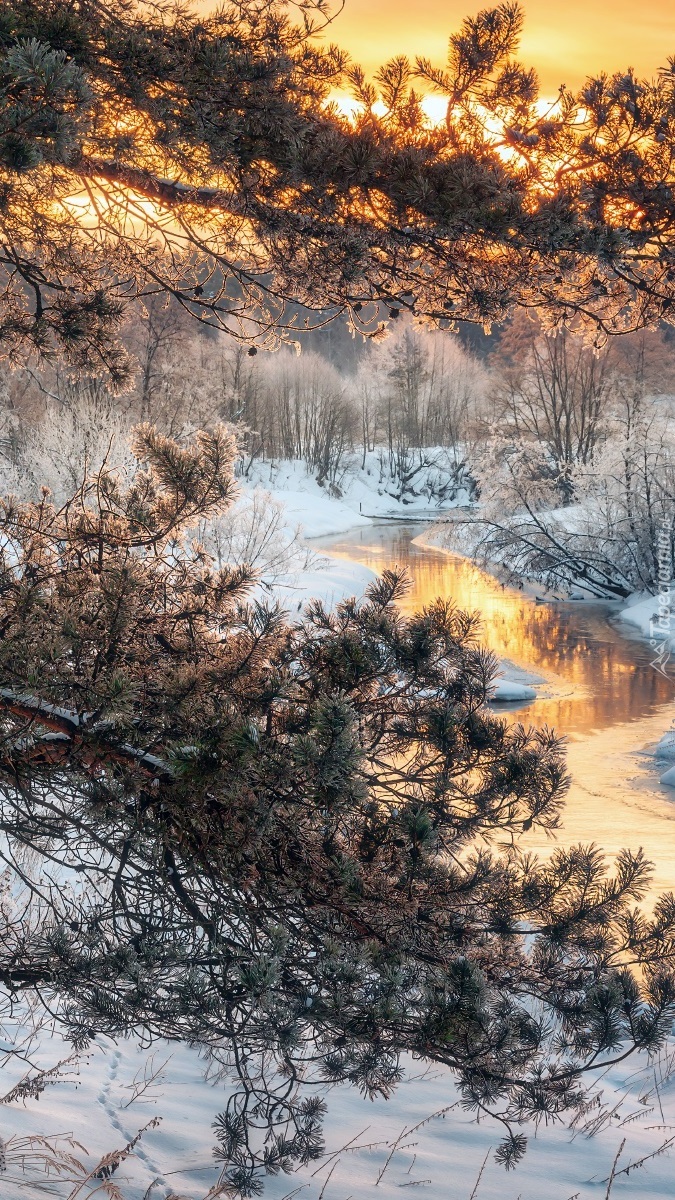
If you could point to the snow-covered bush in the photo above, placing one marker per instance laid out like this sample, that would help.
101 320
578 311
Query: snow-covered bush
81 428
255 532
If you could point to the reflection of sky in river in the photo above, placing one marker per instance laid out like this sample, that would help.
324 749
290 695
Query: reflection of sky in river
602 692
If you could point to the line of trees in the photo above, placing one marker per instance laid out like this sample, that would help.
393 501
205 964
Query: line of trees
410 392
400 399
569 447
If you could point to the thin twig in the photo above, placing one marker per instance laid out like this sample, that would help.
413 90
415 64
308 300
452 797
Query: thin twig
348 1146
480 1176
610 1181
639 1162
406 1131
658 1095
328 1178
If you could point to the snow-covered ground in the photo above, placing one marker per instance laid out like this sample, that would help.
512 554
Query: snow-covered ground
330 580
664 755
270 531
317 513
656 623
419 1139
364 492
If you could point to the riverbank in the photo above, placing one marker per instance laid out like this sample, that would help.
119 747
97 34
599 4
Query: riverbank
310 512
366 491
281 508
642 610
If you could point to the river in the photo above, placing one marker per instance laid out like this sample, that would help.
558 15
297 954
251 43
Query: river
599 690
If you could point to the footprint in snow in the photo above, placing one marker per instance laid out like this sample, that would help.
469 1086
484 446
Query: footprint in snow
115 1117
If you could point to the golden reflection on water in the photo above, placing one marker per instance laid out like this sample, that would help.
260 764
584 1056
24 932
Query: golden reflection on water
598 689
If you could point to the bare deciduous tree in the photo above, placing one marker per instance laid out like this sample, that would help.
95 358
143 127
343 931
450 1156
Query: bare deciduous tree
553 389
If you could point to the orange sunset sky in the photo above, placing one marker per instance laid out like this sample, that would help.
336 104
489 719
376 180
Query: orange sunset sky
564 41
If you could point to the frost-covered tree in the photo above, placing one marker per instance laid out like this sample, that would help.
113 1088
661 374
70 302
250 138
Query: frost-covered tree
293 845
553 391
419 395
81 426
306 412
576 466
149 149
420 390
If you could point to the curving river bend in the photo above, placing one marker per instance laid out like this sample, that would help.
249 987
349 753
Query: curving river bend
598 689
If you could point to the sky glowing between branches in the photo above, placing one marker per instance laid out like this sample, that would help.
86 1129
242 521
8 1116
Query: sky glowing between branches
565 42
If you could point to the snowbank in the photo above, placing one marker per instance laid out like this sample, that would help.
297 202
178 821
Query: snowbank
318 514
331 581
666 747
364 492
642 611
265 532
643 614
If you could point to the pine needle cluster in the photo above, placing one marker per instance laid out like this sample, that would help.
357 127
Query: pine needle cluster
146 149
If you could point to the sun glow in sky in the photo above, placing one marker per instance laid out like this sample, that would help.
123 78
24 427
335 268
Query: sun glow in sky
566 42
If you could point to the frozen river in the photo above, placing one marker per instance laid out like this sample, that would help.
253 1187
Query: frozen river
598 689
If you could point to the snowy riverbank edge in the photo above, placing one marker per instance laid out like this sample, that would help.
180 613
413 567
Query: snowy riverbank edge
641 610
319 515
316 513
363 496
654 621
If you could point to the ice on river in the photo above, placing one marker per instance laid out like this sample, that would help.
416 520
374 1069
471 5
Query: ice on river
507 691
666 747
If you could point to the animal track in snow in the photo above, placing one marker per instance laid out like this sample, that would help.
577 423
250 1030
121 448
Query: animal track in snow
114 1115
